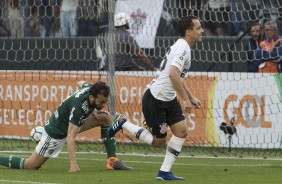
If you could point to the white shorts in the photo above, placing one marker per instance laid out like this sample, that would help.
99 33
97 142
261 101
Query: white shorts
49 147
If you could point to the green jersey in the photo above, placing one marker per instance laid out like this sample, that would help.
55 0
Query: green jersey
72 110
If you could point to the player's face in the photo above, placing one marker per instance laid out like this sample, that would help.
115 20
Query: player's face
270 31
255 32
197 31
98 102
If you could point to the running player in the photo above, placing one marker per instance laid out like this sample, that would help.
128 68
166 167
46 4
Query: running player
160 105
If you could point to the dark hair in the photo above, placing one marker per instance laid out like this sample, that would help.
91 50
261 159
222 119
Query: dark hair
100 88
256 24
185 23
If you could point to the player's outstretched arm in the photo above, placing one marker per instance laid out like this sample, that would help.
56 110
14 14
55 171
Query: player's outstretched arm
72 132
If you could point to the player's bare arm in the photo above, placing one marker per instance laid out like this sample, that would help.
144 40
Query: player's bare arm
136 66
145 59
174 74
72 132
79 84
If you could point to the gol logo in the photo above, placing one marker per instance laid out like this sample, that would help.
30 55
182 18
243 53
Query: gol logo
246 104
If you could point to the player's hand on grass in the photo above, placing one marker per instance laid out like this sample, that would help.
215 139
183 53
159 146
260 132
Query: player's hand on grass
196 102
74 168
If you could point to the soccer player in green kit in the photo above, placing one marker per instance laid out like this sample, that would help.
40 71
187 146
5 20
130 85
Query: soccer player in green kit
79 112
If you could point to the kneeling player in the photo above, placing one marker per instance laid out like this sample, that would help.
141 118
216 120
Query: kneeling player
77 113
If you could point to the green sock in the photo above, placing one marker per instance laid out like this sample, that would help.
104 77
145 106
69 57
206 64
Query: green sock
109 142
12 162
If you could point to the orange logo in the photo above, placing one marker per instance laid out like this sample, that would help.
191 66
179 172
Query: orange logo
250 111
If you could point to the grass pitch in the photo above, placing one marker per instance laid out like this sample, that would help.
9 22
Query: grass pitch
196 170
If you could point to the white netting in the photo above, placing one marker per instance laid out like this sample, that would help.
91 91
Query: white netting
222 20
41 61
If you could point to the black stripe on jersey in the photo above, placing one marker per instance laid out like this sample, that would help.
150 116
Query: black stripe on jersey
45 146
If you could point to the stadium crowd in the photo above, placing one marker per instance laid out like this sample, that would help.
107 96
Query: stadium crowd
80 18
65 18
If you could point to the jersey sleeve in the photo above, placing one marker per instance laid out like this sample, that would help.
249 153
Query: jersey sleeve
180 57
85 85
76 114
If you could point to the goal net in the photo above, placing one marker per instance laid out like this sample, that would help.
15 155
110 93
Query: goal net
41 61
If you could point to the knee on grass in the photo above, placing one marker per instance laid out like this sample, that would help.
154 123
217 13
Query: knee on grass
31 166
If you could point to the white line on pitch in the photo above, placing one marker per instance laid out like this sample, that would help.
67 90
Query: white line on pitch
206 165
158 155
29 182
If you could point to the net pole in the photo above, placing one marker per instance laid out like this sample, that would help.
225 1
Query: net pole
111 47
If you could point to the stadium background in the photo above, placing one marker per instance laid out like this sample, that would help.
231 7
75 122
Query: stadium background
37 73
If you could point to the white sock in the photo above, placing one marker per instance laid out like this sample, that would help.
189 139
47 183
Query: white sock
140 133
173 149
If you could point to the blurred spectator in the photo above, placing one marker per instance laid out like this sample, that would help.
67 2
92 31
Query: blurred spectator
171 13
103 15
88 18
26 12
216 18
242 14
269 10
50 13
68 18
254 8
279 20
173 8
237 12
4 32
126 48
33 19
92 17
29 12
192 7
12 19
252 45
269 54
165 27
272 10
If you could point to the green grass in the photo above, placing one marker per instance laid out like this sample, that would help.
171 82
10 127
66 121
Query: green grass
196 170
129 148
